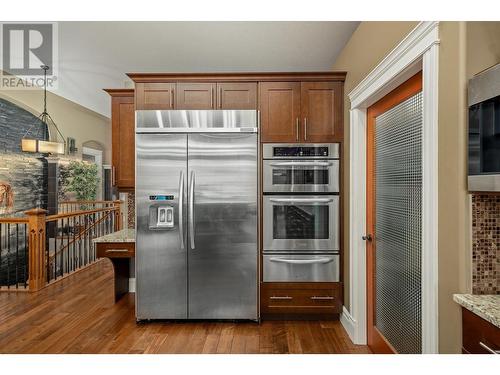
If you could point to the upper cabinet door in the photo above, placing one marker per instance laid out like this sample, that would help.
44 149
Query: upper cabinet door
321 111
240 95
280 111
123 141
155 95
195 96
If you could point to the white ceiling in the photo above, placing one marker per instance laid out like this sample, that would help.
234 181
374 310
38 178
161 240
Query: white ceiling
96 55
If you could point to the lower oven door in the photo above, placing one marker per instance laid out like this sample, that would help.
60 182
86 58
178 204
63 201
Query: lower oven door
302 268
301 223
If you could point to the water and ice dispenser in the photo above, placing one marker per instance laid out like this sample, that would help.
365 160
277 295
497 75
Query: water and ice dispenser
161 212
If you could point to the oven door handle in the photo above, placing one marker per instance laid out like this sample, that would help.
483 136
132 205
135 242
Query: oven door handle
302 261
301 200
301 164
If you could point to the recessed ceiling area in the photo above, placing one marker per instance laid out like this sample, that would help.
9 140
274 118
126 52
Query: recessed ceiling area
96 55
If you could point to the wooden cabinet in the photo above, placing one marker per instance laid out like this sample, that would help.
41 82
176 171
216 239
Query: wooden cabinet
478 335
123 137
195 96
292 299
321 107
279 104
120 254
237 95
155 95
301 112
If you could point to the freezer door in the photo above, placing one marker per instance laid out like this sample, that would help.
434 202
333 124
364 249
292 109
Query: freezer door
161 211
222 227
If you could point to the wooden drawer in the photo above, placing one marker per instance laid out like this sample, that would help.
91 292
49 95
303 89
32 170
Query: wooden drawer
115 250
478 333
301 298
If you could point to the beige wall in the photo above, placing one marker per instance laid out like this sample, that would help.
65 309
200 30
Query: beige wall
72 119
483 46
369 44
466 48
453 222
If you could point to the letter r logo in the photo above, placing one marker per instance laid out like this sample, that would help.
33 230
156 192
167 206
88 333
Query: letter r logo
26 46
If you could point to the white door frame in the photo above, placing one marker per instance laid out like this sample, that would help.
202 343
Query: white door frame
417 51
97 154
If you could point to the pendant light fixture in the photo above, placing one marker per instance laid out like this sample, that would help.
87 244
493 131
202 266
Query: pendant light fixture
53 145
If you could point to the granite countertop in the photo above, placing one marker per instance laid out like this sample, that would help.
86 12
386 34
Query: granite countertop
486 306
124 235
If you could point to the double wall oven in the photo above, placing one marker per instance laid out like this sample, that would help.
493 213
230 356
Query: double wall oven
301 212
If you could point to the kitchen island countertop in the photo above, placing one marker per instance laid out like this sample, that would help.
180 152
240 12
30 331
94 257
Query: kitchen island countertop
486 306
124 235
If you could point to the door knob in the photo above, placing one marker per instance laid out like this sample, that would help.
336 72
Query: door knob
367 237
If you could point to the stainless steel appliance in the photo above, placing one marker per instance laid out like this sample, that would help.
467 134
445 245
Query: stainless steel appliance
301 212
292 168
484 131
196 214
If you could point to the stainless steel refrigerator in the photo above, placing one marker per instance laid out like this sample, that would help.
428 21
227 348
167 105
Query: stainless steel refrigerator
196 214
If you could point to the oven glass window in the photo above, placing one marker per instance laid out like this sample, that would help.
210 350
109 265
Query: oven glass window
300 222
484 137
288 176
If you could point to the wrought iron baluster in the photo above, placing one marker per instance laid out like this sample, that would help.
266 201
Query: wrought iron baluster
26 260
8 255
1 249
61 240
74 239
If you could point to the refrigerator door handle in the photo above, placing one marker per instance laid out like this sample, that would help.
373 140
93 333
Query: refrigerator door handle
181 208
191 210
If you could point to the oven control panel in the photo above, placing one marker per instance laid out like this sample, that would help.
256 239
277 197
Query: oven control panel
298 151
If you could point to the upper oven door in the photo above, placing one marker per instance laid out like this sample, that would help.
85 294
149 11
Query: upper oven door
301 223
299 175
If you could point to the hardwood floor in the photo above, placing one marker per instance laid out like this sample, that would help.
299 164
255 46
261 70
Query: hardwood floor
78 315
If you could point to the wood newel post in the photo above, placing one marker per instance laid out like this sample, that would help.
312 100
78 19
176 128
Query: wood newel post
37 266
118 215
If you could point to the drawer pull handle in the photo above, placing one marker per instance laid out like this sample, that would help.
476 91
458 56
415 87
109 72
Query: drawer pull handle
117 251
302 261
281 297
323 297
482 344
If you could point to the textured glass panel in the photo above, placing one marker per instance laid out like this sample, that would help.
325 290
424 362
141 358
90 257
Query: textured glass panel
398 229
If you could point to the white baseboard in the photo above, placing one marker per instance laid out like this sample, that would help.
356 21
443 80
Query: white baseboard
348 323
131 285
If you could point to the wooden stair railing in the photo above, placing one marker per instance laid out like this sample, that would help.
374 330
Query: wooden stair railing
107 212
36 231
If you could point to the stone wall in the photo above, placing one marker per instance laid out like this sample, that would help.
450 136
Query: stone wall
26 173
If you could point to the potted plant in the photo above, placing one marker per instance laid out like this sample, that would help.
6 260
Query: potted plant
81 179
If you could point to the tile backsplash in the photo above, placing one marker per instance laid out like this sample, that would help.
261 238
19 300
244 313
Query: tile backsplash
485 244
131 210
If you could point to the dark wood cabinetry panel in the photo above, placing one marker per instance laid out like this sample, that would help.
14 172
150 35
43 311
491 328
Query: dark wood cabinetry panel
155 95
478 334
279 104
123 137
195 96
237 95
321 104
301 298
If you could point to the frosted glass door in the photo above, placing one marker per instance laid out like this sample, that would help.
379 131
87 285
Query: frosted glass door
398 225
